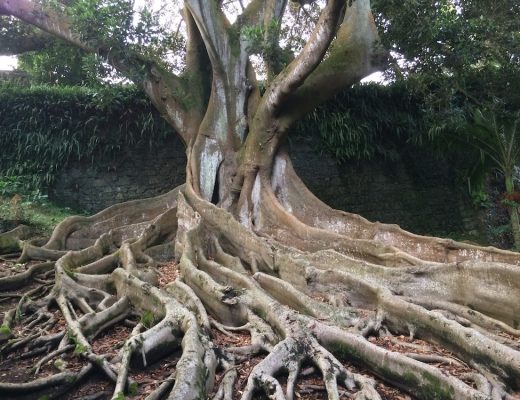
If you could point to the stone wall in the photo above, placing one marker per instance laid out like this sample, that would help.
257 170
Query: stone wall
418 192
134 173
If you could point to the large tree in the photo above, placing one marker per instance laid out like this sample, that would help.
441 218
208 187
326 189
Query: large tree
256 251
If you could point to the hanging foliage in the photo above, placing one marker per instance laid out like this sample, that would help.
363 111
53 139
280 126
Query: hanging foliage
42 128
367 121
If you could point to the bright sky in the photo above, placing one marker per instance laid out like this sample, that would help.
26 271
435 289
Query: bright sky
375 77
7 63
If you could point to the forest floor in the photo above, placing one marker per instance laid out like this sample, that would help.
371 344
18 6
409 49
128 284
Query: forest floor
310 386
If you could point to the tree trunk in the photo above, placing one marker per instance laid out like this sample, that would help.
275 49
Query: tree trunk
270 289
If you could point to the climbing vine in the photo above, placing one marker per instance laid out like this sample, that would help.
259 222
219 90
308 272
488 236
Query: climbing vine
42 128
367 121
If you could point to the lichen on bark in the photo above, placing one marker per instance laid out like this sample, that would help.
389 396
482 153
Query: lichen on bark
318 292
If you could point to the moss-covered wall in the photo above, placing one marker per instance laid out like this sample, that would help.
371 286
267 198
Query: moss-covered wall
90 148
134 172
419 193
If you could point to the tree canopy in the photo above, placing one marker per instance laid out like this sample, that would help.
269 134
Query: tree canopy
243 247
466 53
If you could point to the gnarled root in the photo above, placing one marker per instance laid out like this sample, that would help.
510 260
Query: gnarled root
332 303
12 241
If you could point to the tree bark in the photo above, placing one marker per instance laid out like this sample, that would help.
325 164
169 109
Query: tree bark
315 292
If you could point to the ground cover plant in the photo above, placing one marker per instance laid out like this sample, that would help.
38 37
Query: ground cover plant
272 294
39 213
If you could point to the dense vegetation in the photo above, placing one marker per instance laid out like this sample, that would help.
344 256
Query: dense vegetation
42 127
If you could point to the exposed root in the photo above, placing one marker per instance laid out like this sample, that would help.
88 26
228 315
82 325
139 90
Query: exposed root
20 279
296 198
310 301
50 387
12 241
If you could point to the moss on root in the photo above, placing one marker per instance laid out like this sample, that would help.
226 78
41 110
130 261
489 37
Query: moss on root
286 318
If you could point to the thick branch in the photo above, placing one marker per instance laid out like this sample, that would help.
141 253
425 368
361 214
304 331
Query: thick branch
273 15
353 56
309 58
268 15
17 39
269 124
252 14
164 88
197 64
47 20
213 27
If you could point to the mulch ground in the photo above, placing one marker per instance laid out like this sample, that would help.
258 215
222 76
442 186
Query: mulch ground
167 273
309 387
9 299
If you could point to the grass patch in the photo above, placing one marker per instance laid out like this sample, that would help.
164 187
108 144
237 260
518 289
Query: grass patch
41 214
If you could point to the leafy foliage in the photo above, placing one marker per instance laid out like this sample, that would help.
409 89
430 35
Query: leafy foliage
448 36
136 36
498 139
42 128
60 64
368 121
264 42
462 56
465 53
147 319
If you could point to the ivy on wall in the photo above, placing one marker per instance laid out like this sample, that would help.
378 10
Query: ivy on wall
368 121
42 128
